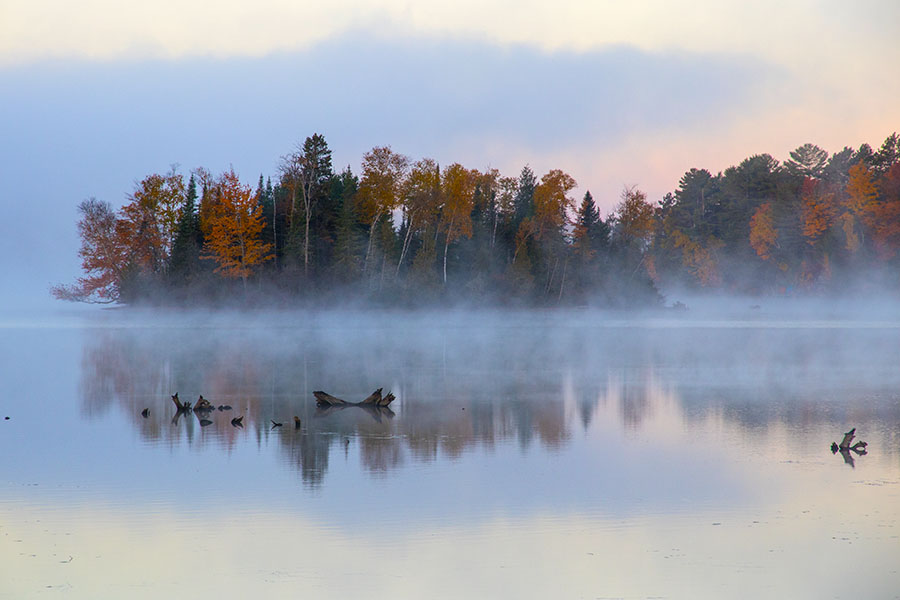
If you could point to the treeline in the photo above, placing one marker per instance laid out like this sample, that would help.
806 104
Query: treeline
408 232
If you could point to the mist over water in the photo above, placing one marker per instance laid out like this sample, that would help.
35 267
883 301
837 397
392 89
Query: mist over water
672 453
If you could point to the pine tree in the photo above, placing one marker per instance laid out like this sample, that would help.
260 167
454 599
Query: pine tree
346 259
523 203
184 262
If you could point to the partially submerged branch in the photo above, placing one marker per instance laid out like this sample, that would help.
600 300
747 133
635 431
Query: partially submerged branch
375 404
845 447
374 399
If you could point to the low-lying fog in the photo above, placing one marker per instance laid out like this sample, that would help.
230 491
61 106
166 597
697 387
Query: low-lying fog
572 423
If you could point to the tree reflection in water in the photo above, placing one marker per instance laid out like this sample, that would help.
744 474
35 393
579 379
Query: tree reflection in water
441 410
465 388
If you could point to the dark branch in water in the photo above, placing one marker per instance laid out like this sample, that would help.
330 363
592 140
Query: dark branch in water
375 404
374 399
845 448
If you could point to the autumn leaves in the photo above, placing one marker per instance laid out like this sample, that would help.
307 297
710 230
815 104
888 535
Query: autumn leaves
414 231
124 254
232 229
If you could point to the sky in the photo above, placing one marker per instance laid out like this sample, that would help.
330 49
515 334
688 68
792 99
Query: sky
97 94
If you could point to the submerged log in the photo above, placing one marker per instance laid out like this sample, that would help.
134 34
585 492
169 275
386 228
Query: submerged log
847 446
375 404
848 437
323 399
203 404
374 399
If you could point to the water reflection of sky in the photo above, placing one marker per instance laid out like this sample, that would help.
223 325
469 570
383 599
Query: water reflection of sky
523 456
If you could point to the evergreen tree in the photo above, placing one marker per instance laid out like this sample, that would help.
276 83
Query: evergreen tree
349 233
184 263
523 204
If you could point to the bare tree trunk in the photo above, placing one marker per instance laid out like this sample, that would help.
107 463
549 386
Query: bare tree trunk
563 283
446 248
293 202
306 245
552 275
406 241
243 257
494 230
369 247
274 232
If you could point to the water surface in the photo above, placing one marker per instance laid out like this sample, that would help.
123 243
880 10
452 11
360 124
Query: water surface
528 454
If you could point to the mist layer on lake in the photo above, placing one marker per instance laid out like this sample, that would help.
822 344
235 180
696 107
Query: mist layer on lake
528 454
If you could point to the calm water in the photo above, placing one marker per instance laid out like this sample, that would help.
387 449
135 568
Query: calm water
528 455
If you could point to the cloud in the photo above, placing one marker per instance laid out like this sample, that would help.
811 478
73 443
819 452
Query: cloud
424 97
799 32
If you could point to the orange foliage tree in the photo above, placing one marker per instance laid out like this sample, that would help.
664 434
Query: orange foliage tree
887 215
235 228
149 220
818 211
763 236
862 195
861 203
103 256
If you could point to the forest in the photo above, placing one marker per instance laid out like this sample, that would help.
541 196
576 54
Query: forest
406 232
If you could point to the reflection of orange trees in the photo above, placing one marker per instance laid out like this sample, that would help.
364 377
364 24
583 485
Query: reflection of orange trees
136 369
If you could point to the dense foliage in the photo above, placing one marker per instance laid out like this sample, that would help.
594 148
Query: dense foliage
407 232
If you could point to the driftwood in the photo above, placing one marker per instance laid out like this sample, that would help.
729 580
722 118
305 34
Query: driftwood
179 405
845 447
375 405
858 447
203 404
374 399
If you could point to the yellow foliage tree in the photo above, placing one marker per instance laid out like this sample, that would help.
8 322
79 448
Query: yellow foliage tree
634 218
380 187
235 228
552 202
421 201
456 215
700 261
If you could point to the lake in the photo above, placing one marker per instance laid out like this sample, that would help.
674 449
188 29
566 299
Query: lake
529 454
